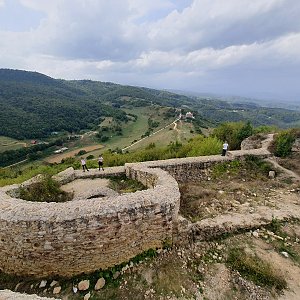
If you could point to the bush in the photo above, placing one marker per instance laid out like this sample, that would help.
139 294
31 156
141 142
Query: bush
123 184
283 143
46 190
104 139
81 152
234 133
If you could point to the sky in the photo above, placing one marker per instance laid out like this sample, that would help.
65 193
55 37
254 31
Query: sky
249 48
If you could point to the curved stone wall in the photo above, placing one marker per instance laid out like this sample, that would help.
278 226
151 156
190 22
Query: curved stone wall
45 239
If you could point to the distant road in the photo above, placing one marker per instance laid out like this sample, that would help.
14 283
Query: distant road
174 122
15 163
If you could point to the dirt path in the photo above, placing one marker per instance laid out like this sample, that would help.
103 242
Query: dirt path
290 173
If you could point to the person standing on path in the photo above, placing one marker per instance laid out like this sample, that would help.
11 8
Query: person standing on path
83 164
100 162
225 148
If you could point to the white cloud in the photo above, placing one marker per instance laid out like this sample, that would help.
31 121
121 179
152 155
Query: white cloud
158 42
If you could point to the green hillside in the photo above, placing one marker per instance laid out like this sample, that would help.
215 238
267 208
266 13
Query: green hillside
34 105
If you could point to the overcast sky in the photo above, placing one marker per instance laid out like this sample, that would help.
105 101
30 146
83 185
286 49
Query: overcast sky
238 47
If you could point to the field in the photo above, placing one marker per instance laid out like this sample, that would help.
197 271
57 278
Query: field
132 131
133 135
58 157
7 143
180 131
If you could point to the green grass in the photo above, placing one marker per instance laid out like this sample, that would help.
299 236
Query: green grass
251 167
123 184
19 174
166 136
276 226
255 269
134 130
7 144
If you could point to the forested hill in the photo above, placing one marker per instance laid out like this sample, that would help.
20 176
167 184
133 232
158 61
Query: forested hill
33 105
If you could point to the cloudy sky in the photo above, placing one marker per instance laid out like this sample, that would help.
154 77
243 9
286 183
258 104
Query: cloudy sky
231 47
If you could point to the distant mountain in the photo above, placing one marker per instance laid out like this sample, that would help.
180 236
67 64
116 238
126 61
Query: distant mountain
272 103
33 105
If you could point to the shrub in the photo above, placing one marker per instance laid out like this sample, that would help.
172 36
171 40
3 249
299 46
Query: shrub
47 190
81 152
254 163
123 184
234 133
104 139
283 143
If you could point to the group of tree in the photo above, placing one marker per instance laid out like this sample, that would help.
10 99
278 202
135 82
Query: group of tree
234 133
31 153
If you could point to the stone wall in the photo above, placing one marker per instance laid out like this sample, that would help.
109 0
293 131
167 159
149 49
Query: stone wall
46 239
199 168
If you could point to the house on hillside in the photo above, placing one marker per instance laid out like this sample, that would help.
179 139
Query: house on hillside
61 150
189 115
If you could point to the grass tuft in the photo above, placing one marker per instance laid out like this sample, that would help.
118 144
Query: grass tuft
255 269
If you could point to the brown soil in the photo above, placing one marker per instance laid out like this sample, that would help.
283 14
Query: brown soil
235 192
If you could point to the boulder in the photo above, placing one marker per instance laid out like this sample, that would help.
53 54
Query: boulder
57 290
100 284
271 174
83 285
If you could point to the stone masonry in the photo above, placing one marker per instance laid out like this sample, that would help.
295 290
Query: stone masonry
47 239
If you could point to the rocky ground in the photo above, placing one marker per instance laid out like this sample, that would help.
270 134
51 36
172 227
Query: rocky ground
262 263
